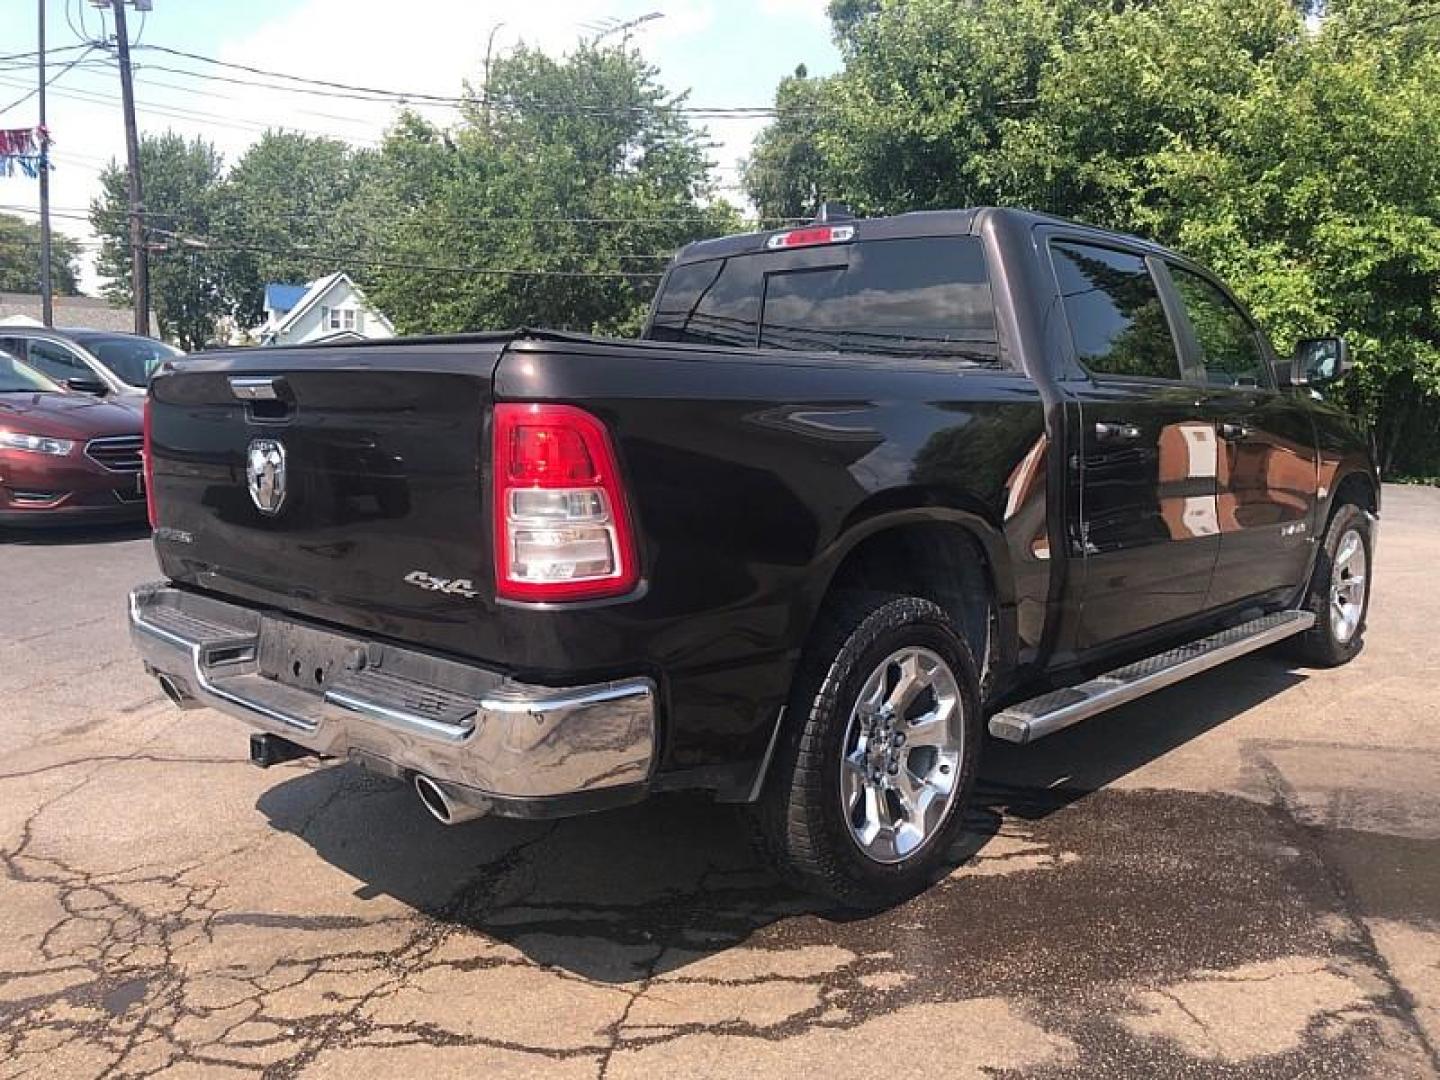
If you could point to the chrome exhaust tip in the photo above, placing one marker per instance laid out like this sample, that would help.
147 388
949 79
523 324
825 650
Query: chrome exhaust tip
443 806
177 694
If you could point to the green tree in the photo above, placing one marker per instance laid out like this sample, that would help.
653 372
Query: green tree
1322 203
20 258
786 173
918 117
583 168
187 273
286 213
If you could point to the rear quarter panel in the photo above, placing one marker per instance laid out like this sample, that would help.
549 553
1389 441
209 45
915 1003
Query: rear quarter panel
751 475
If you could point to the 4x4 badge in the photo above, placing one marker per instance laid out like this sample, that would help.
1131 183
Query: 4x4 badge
265 474
450 586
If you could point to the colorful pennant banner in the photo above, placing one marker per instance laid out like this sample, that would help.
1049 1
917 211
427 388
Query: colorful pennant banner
24 149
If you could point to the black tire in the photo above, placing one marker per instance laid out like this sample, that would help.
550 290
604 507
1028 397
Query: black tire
801 826
1324 645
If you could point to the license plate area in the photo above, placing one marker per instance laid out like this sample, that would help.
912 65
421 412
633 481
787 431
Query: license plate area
303 657
133 491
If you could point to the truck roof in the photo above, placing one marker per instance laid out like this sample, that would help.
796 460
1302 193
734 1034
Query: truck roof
899 226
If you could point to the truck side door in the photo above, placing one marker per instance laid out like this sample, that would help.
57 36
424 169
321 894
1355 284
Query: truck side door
1266 478
1147 464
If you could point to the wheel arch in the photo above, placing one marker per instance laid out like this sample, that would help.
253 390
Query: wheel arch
931 544
1355 486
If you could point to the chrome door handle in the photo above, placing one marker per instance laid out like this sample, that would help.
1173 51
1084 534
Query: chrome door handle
1113 431
1232 432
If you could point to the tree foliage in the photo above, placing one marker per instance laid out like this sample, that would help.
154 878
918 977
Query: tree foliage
584 168
286 214
1299 157
20 258
581 167
182 188
786 173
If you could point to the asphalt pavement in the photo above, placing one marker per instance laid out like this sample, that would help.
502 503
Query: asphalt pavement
1238 876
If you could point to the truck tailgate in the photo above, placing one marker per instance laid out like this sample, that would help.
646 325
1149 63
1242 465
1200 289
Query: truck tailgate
383 458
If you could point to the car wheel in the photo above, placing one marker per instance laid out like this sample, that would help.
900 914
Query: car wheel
867 791
1339 592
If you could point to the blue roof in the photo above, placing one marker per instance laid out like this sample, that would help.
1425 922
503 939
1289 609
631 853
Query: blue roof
282 298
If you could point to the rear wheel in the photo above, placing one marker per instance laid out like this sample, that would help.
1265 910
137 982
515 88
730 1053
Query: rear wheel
868 789
1339 591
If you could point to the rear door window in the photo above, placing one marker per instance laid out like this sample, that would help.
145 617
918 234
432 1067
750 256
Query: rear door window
1113 306
710 303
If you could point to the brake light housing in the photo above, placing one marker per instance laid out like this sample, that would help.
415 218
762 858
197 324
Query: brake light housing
811 236
562 520
147 460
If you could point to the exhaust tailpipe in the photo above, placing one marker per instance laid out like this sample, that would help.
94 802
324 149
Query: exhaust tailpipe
177 694
444 807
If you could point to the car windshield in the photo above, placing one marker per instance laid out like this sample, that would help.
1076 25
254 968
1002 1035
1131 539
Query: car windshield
132 359
16 378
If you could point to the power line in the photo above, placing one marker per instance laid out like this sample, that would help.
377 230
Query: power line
33 53
159 85
443 99
198 245
486 219
353 259
176 112
208 244
48 82
330 88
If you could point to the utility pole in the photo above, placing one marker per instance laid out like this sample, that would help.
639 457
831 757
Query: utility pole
139 266
47 302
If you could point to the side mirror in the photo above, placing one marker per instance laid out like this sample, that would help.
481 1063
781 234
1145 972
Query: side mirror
1318 362
86 386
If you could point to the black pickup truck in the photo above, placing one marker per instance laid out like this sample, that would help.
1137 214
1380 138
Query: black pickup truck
863 488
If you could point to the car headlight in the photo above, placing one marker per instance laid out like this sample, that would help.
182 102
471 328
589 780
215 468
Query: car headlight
35 444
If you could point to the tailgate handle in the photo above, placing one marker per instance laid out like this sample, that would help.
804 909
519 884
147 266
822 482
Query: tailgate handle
255 387
266 397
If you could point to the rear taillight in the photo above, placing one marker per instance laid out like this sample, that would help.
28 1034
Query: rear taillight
562 524
148 460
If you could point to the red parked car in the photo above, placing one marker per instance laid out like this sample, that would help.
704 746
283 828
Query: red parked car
66 457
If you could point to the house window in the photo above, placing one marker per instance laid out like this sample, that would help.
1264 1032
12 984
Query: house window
341 319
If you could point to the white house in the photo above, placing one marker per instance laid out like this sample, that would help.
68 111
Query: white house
331 308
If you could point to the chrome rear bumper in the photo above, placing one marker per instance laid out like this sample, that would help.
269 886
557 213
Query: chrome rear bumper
491 741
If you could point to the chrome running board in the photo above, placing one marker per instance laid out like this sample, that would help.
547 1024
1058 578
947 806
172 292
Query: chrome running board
1048 713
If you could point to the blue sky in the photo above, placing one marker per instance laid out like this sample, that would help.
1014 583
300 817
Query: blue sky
726 53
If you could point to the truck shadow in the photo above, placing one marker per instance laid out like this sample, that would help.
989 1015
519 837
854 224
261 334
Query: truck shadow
642 891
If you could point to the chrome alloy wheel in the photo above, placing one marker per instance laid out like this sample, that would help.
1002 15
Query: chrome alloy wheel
1348 582
901 755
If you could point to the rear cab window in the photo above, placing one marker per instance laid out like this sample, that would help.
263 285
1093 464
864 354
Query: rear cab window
925 297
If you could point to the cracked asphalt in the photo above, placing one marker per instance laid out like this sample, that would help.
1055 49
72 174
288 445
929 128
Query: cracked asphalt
1238 876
